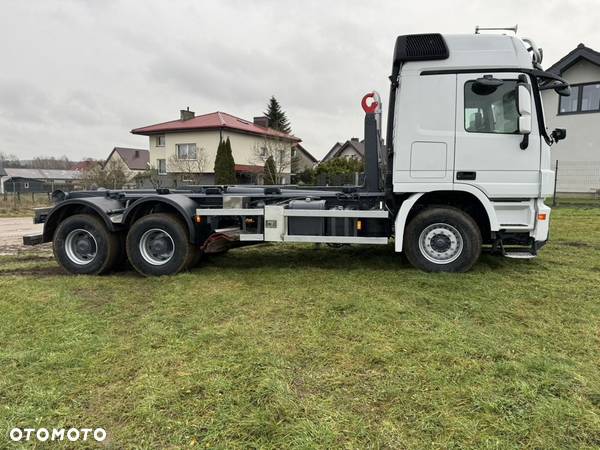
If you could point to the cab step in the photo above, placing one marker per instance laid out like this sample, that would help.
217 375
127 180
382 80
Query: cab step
519 255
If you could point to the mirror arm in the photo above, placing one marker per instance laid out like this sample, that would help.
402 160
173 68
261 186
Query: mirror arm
525 142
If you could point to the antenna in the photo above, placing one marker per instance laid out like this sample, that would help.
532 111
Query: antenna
513 29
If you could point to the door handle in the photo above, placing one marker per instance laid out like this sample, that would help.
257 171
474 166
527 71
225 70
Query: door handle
466 176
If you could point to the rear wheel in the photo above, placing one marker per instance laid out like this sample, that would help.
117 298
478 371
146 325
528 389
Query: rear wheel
158 244
83 245
442 239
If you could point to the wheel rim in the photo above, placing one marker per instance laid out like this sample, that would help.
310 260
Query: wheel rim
440 243
81 247
157 247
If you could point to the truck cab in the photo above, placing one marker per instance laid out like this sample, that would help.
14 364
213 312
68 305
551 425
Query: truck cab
467 129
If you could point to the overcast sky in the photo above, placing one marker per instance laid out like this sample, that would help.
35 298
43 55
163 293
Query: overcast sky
76 76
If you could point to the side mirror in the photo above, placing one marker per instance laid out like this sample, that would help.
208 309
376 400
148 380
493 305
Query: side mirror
486 85
524 108
559 134
489 81
563 91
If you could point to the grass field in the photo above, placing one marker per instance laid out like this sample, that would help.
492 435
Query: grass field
306 347
11 206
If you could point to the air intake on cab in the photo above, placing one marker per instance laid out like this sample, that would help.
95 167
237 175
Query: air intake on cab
420 47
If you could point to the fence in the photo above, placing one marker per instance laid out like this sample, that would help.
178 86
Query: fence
22 203
339 179
577 177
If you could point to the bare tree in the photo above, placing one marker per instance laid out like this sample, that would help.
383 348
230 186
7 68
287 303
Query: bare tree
92 177
190 168
9 160
50 162
279 152
151 174
112 176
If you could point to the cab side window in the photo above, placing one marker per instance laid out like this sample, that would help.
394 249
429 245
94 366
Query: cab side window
491 109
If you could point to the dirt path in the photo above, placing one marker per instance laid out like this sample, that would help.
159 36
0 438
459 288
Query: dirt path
12 230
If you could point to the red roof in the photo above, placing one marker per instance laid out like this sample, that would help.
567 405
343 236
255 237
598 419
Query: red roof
213 121
84 165
246 168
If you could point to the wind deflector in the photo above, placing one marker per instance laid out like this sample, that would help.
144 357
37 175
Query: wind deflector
420 47
410 47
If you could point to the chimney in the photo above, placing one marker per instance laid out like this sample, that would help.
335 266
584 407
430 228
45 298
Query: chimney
261 121
186 114
354 139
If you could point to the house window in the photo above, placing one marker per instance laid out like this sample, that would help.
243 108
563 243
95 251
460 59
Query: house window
263 152
491 110
569 104
584 98
590 97
187 151
160 140
161 166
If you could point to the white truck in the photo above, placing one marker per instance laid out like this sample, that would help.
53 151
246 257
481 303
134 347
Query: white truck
466 166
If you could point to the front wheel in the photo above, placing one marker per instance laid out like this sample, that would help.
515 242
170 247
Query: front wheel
442 239
158 244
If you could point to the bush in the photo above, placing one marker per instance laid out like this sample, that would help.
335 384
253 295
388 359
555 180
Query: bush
337 166
270 171
307 176
224 164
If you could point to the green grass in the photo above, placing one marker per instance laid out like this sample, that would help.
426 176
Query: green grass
304 347
566 201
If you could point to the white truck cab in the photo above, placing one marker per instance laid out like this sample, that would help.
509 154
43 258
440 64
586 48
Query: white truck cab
468 122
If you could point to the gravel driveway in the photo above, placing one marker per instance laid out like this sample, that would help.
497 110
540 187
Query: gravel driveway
12 230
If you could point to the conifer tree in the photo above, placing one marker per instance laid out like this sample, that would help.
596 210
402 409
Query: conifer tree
224 164
230 163
270 171
277 117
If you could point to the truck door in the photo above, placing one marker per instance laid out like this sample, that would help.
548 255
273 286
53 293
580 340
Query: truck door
488 153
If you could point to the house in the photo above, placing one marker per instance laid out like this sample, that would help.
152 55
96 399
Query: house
579 154
133 160
183 151
85 165
37 180
353 148
302 159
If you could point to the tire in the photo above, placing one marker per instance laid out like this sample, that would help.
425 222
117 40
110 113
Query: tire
442 239
83 245
196 258
158 244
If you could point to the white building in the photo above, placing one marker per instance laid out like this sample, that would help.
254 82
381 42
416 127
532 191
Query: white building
184 150
579 154
352 148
